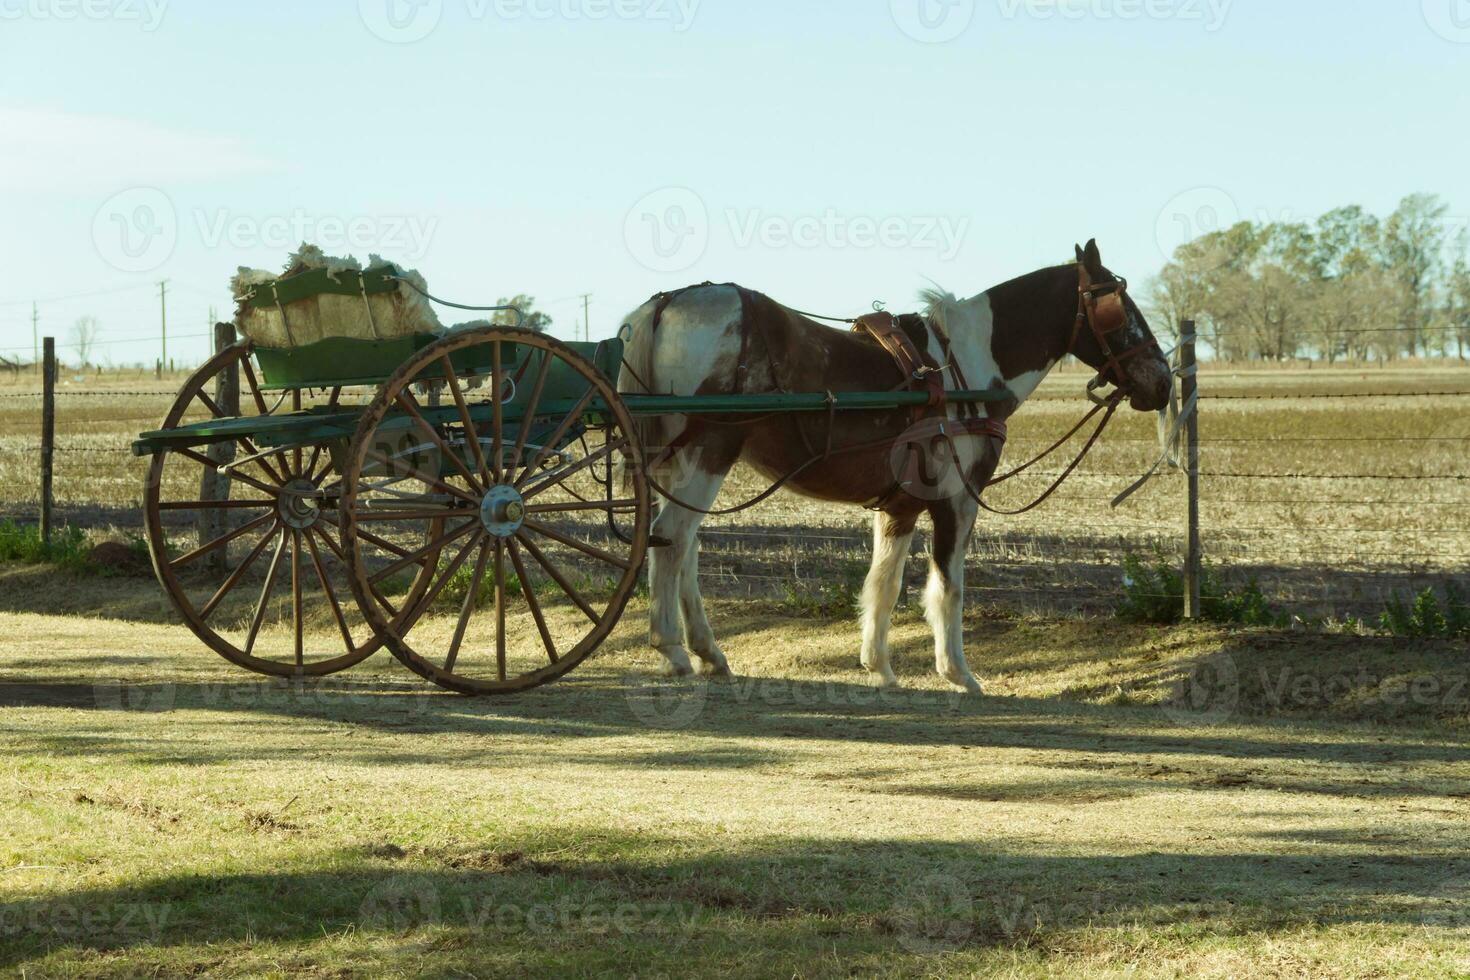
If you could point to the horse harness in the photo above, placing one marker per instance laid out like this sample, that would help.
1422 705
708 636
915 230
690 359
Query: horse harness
932 425
1100 309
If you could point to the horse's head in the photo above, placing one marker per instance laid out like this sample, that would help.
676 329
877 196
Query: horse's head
1112 336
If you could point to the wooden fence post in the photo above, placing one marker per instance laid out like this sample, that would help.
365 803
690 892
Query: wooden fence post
1189 398
214 485
48 433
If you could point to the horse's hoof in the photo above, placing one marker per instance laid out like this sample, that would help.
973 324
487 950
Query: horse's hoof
967 685
676 663
717 670
885 680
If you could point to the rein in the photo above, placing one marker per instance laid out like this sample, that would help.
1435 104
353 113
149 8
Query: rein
1110 405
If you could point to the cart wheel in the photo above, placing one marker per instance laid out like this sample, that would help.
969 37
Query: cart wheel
520 475
285 606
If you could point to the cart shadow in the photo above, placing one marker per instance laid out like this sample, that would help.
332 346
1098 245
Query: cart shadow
458 903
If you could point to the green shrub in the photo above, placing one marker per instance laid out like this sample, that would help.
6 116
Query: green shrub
834 596
1153 592
22 543
1424 616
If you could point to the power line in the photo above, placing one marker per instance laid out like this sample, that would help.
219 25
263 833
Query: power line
75 296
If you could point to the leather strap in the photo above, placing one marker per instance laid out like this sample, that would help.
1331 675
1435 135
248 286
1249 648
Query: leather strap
919 373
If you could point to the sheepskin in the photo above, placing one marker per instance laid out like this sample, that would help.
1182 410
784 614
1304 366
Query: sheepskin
381 317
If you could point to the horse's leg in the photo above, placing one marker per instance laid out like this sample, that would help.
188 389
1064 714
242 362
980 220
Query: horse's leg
891 538
696 624
673 575
944 599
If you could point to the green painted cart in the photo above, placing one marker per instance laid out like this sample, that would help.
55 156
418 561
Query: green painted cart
475 502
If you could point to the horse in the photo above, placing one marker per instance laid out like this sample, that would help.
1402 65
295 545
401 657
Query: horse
723 339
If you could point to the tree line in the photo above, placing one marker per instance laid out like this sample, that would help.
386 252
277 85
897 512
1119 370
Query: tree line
1348 285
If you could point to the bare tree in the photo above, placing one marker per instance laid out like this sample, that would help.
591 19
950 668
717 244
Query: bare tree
84 335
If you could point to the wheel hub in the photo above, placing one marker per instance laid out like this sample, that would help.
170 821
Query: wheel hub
503 511
297 504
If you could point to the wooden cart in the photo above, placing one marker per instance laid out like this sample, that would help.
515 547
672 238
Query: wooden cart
476 502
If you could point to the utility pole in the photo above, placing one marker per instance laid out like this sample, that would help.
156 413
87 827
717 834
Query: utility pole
163 318
35 335
586 316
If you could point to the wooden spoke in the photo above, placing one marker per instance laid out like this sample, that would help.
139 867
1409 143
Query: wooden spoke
500 607
221 541
298 625
217 466
309 470
235 576
265 592
216 504
561 430
342 557
371 538
336 549
321 575
497 382
244 441
529 417
468 606
439 586
254 386
417 558
582 546
406 402
434 482
559 578
529 591
586 462
471 437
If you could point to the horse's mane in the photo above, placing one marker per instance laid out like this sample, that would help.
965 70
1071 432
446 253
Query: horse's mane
939 303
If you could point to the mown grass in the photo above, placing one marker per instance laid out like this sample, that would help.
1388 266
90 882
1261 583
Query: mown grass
1140 801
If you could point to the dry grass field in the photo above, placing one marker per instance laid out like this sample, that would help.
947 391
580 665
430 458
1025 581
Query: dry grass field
1330 538
1125 800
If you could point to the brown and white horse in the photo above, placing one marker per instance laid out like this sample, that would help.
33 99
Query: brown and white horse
721 339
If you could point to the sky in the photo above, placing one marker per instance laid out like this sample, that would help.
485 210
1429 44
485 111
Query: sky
830 154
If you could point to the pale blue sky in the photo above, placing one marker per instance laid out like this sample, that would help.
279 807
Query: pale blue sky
829 153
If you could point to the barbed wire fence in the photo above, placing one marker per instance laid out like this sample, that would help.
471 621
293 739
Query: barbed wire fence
1326 540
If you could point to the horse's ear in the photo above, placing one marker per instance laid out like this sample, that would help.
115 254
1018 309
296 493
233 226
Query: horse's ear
1081 257
1092 258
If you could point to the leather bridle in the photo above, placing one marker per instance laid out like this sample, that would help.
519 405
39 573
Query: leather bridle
1101 309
